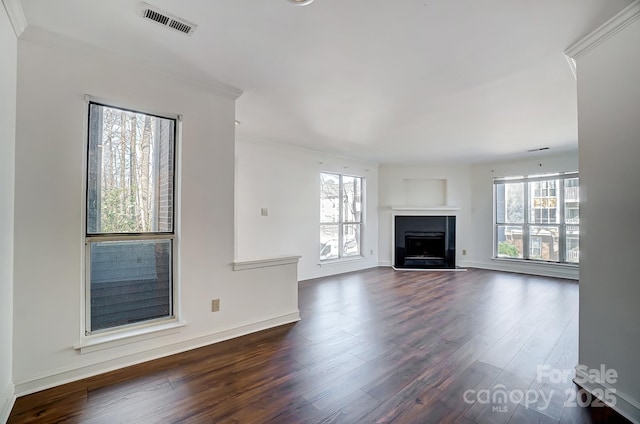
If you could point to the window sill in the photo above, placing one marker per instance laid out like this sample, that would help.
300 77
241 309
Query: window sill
549 269
342 260
116 338
534 262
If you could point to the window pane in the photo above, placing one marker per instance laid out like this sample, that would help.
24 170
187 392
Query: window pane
329 198
130 172
571 201
329 242
509 241
543 243
543 202
549 224
352 198
573 244
351 239
510 203
130 282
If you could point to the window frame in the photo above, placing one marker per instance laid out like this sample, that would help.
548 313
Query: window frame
529 212
341 224
144 326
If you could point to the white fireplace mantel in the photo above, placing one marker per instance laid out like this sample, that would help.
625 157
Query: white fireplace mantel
424 209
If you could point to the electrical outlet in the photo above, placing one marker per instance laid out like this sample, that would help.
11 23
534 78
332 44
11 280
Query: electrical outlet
464 251
215 305
371 252
264 212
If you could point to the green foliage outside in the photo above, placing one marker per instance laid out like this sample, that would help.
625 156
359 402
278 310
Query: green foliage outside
506 249
119 212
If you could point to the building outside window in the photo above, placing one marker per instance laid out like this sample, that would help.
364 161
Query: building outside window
130 231
538 218
341 203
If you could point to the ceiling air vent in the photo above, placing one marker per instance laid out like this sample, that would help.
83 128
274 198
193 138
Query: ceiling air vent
167 19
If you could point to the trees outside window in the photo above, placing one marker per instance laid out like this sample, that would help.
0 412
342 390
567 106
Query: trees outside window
129 218
537 217
340 216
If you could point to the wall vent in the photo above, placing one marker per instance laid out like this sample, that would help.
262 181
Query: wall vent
167 19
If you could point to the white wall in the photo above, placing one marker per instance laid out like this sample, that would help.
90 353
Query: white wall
8 66
286 181
609 136
393 192
482 210
49 230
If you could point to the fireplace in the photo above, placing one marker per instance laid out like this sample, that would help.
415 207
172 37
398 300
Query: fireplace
425 242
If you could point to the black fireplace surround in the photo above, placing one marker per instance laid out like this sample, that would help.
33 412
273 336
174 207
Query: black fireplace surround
425 242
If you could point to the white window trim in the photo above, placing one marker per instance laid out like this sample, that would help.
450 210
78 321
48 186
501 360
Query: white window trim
341 258
561 225
120 337
354 258
148 329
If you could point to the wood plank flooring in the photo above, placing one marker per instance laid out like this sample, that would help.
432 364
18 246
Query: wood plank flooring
377 346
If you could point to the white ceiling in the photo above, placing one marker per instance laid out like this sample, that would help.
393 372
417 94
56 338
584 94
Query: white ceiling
381 80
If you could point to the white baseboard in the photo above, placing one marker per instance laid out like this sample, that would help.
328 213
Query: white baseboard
624 404
527 267
429 269
60 377
6 402
520 267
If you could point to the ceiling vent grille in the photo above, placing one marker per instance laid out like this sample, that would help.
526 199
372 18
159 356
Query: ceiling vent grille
167 19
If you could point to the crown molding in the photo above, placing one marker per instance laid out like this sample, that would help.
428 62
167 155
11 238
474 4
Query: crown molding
572 64
614 25
57 41
16 16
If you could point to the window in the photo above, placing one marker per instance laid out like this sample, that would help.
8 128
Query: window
537 217
340 216
129 218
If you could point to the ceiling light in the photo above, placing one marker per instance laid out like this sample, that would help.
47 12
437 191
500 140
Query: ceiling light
301 2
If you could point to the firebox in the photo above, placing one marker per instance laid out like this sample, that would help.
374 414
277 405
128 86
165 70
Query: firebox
425 241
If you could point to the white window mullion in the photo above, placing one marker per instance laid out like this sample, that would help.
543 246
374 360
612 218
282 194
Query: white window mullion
525 226
341 219
562 234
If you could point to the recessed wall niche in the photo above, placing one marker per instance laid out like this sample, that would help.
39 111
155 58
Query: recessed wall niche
425 191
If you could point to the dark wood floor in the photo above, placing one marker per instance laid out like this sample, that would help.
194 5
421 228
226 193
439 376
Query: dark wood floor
373 346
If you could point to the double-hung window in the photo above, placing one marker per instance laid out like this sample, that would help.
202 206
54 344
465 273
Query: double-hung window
537 217
340 216
130 220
